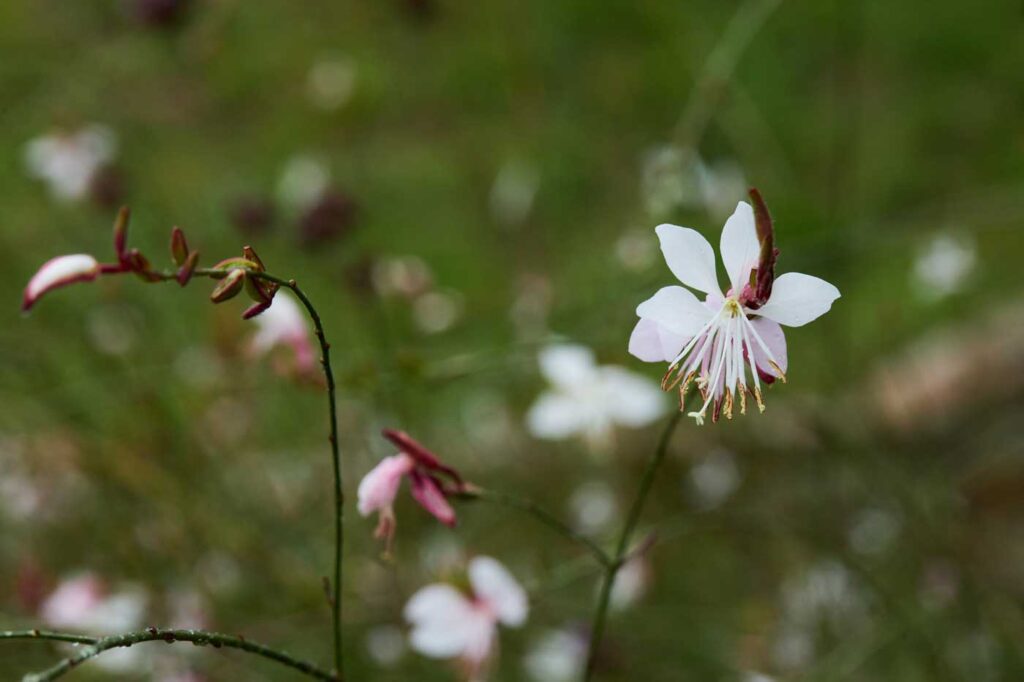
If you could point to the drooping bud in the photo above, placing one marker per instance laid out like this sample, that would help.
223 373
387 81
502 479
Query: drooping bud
187 268
255 309
179 246
420 454
139 264
236 262
769 254
250 254
58 272
121 233
229 287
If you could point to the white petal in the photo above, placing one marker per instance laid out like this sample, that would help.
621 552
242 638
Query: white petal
442 620
634 400
651 342
566 364
739 245
555 417
57 272
689 257
676 309
494 584
797 299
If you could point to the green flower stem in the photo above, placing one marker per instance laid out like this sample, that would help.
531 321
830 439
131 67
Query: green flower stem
94 647
541 515
621 549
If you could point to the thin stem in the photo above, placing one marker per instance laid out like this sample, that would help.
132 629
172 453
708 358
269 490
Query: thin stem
612 569
198 637
542 515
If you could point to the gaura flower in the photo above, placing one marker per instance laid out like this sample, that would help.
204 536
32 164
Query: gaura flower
67 163
589 400
284 324
378 489
83 602
446 623
717 343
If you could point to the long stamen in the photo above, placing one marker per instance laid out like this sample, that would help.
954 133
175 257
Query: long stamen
699 415
753 371
771 357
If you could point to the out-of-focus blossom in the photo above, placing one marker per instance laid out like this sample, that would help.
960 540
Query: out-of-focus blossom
84 603
676 178
67 162
303 181
378 489
873 531
385 644
284 324
593 506
405 276
589 400
942 267
531 306
557 656
437 311
329 216
635 250
713 479
712 343
513 192
449 624
631 583
331 82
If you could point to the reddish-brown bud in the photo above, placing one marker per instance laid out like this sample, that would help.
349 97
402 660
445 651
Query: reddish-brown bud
255 309
187 268
229 287
769 254
250 254
121 233
179 246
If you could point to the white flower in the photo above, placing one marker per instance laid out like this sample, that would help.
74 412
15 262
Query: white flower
303 181
284 324
67 163
942 266
449 624
331 82
631 583
716 342
558 656
587 399
82 603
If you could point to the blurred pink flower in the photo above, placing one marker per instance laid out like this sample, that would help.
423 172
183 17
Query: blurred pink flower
713 342
449 624
84 603
284 324
378 489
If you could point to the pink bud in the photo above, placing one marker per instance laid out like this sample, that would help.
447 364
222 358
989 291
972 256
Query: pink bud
179 246
228 287
58 272
187 268
427 491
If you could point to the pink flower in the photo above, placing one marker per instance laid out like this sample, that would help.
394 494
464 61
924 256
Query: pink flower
449 624
715 343
83 603
58 272
378 489
284 324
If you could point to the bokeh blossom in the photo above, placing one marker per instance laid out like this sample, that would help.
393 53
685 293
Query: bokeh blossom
589 400
284 325
69 162
714 343
446 623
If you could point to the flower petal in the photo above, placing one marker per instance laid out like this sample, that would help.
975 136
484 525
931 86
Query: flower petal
798 299
493 583
676 309
689 257
773 336
555 416
442 620
566 364
634 400
739 246
378 488
58 272
430 496
651 342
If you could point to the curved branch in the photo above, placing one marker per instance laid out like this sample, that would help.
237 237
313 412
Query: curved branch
198 637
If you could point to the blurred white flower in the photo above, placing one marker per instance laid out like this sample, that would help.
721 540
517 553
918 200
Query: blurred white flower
631 583
635 250
557 656
873 531
68 162
449 624
942 267
284 324
676 178
385 644
437 311
713 479
83 603
331 82
594 507
405 276
513 192
303 181
589 400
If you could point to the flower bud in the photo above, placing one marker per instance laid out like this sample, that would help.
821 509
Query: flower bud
250 254
229 287
255 309
139 264
769 254
179 247
236 262
58 272
121 233
187 268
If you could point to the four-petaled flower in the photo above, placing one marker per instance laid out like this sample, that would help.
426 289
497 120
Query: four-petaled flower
446 623
378 489
715 343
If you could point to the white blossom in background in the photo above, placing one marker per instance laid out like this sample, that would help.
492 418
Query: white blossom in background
635 250
437 311
675 178
284 324
873 531
405 276
713 478
594 507
386 645
943 266
68 162
513 192
557 656
631 583
331 83
304 179
589 400
447 623
712 343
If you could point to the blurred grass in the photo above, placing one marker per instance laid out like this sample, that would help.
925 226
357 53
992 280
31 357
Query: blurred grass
868 126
